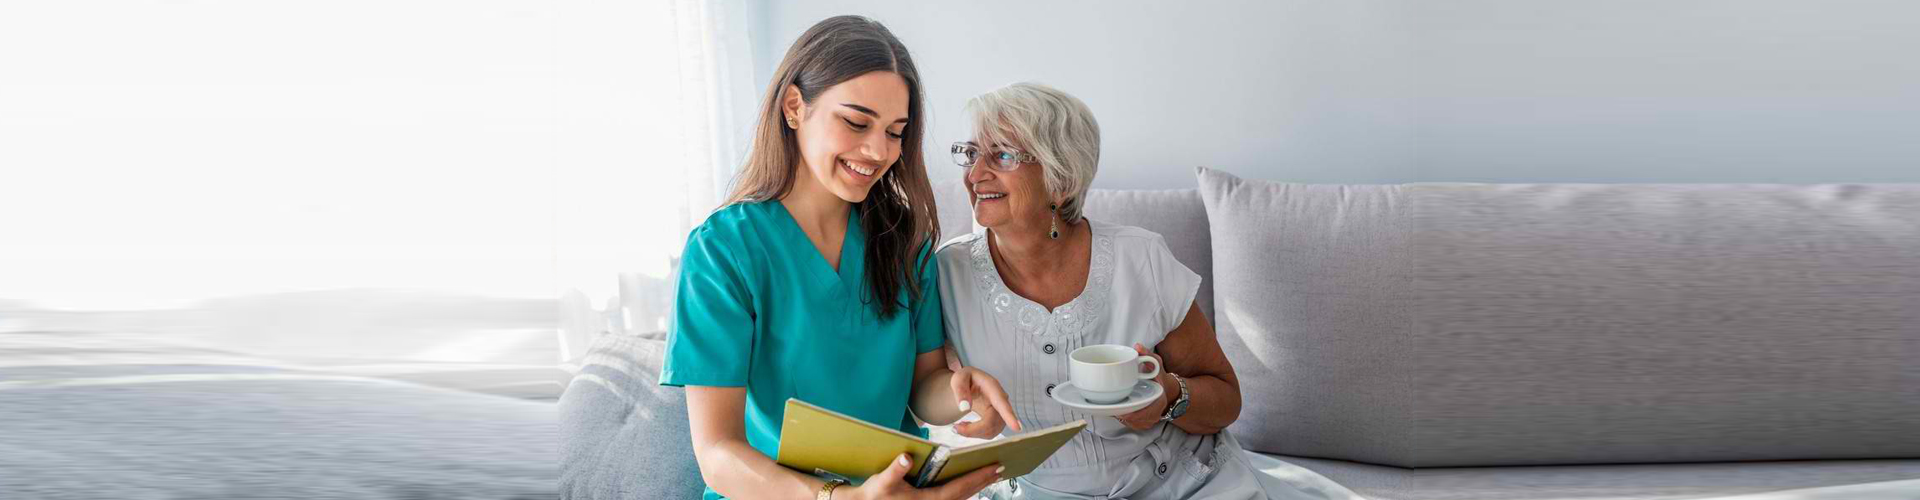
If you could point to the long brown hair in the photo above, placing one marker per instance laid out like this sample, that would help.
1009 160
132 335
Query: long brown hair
898 215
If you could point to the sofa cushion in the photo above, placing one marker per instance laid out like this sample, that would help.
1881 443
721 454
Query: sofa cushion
1807 480
1175 214
1311 296
624 436
1567 323
1437 325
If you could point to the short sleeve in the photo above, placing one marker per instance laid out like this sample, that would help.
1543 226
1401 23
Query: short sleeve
1176 284
711 339
929 329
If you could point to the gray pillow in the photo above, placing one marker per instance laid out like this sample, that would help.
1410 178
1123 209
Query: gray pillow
624 436
1568 323
1438 325
1311 292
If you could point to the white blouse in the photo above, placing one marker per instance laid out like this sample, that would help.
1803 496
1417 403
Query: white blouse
1136 292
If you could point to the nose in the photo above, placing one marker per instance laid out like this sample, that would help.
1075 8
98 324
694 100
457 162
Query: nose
979 171
877 147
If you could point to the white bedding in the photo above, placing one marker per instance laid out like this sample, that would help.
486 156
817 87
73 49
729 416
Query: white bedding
90 414
1884 490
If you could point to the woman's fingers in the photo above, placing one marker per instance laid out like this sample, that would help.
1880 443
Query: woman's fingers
962 385
1142 349
897 471
970 484
890 482
986 423
991 388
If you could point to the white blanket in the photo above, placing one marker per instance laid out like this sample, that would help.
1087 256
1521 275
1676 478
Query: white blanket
126 416
1884 490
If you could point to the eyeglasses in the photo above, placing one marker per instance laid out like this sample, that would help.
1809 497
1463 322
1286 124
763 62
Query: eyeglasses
1004 160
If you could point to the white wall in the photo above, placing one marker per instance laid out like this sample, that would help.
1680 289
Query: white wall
1373 91
1309 91
1669 91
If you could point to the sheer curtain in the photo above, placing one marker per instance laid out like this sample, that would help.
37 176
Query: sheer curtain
337 157
619 240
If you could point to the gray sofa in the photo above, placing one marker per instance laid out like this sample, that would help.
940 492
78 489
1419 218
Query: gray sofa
1492 342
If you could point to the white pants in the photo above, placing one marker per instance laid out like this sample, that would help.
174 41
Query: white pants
1234 474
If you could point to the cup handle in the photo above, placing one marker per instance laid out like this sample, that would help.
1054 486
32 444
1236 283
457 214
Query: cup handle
1156 367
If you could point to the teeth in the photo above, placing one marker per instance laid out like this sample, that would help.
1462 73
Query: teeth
862 171
992 196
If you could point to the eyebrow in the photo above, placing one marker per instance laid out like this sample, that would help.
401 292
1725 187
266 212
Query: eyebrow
869 111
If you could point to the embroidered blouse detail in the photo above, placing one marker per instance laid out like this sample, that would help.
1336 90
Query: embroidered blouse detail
1073 319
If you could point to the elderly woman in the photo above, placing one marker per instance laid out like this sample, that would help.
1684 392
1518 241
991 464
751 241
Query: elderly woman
1042 280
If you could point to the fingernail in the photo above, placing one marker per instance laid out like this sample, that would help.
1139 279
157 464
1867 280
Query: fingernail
998 470
904 461
966 405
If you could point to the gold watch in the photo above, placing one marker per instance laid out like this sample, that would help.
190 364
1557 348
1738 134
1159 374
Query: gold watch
826 490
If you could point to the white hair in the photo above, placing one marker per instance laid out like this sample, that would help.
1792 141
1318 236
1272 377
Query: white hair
1055 127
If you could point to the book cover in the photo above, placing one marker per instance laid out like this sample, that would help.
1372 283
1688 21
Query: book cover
823 442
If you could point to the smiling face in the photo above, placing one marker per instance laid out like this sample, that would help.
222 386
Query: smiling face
850 135
1016 200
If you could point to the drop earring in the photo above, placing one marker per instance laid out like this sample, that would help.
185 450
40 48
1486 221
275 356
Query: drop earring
1054 231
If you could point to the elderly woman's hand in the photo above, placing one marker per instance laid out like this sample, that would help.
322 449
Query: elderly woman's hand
980 393
1146 418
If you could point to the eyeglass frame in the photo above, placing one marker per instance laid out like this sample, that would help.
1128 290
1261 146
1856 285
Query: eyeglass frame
1001 164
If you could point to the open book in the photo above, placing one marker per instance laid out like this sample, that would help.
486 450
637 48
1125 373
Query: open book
823 442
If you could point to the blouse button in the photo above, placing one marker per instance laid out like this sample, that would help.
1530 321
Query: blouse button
1047 348
1049 390
1163 468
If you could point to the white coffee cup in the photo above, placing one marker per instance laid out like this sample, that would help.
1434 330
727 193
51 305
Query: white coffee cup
1105 374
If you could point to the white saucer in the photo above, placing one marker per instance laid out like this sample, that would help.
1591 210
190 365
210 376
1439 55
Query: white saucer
1142 396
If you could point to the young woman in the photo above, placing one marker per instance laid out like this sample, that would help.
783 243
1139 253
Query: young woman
815 281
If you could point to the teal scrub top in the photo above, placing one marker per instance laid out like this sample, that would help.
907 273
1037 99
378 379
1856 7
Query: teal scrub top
758 307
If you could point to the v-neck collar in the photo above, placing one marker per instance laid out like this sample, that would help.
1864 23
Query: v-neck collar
852 248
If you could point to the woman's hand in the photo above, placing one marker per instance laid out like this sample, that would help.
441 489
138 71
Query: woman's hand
980 393
892 483
1146 418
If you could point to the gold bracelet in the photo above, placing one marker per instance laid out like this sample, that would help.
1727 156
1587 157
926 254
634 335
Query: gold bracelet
826 490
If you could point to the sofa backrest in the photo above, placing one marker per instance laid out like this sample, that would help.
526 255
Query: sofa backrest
1563 323
1430 325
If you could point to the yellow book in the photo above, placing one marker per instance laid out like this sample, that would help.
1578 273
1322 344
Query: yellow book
824 442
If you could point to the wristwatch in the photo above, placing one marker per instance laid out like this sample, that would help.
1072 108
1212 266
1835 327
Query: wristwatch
826 490
1179 406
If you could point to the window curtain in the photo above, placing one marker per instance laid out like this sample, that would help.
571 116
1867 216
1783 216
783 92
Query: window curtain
619 242
269 173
